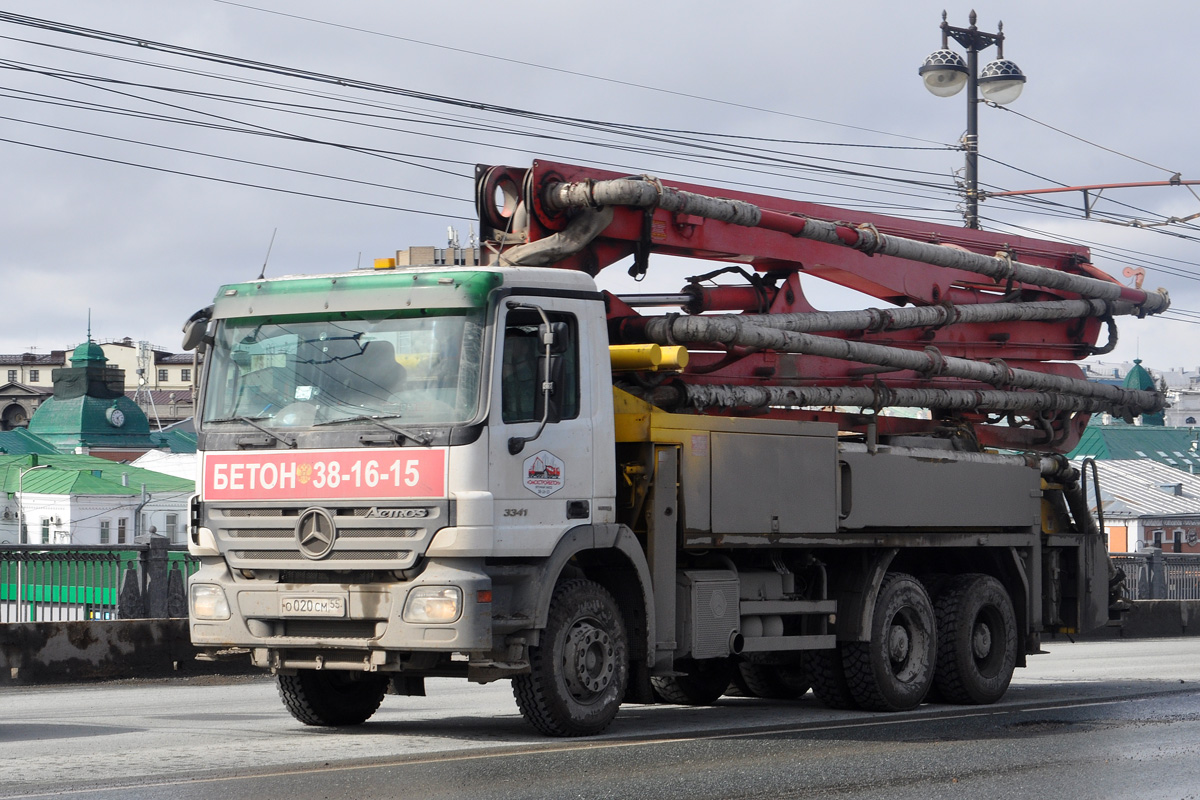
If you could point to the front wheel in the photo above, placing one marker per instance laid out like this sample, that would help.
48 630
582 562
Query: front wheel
331 697
894 669
577 675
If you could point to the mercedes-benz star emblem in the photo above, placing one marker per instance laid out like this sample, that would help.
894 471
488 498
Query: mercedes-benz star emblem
315 533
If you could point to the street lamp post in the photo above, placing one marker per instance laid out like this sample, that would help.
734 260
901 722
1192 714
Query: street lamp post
21 537
945 74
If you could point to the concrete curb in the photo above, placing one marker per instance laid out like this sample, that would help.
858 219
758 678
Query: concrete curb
58 652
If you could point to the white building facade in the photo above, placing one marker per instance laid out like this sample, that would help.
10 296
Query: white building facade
95 519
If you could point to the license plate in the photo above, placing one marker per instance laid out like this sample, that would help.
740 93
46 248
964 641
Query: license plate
313 606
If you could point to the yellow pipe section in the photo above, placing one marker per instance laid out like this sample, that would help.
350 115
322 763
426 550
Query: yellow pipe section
647 357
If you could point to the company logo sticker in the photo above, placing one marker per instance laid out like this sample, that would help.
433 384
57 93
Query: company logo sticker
544 473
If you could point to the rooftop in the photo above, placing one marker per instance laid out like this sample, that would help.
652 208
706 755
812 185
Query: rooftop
54 358
20 441
73 474
1141 488
1169 446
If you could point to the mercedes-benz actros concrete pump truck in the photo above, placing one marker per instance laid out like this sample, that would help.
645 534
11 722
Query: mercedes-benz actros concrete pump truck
497 471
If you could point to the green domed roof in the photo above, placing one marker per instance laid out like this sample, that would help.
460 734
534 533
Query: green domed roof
86 421
89 407
88 353
1140 378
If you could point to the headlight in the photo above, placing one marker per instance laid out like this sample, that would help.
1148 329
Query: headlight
433 604
208 602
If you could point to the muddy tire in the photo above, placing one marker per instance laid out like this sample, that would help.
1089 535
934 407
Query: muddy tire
331 697
977 640
773 681
894 670
737 685
578 674
706 680
823 670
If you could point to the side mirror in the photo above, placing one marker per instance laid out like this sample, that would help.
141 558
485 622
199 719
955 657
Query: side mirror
195 330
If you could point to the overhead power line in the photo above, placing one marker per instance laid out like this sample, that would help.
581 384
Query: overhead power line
904 189
233 182
722 154
578 74
238 160
701 139
1083 140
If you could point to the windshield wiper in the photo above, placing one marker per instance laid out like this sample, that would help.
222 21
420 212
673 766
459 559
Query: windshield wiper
422 439
252 422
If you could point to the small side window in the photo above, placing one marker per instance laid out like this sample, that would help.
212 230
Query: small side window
522 365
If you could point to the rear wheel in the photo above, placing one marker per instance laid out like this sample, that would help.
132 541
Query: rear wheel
977 640
331 697
894 669
824 671
773 681
706 680
578 673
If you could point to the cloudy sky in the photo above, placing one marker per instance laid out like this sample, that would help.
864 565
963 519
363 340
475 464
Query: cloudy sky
136 181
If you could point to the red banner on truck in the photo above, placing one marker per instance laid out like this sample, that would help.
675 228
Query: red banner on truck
325 475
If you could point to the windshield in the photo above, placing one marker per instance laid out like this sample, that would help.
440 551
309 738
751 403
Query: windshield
412 370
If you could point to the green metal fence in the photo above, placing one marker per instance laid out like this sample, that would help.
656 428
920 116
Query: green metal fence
41 583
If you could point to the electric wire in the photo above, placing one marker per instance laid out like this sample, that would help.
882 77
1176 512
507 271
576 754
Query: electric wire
574 73
635 149
618 127
1083 140
243 161
1097 197
644 150
726 158
638 131
233 182
359 148
229 120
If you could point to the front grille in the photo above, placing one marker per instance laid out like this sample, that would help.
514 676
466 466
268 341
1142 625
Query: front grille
265 537
340 555
260 512
379 533
360 511
261 533
330 629
348 533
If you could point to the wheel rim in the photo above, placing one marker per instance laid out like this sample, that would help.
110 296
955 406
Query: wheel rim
898 644
987 633
981 641
589 660
907 638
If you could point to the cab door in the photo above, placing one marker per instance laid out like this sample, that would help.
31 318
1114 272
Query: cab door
546 487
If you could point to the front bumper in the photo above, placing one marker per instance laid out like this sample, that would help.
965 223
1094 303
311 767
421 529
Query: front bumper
371 631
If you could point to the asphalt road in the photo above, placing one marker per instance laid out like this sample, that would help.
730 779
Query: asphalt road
1088 720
